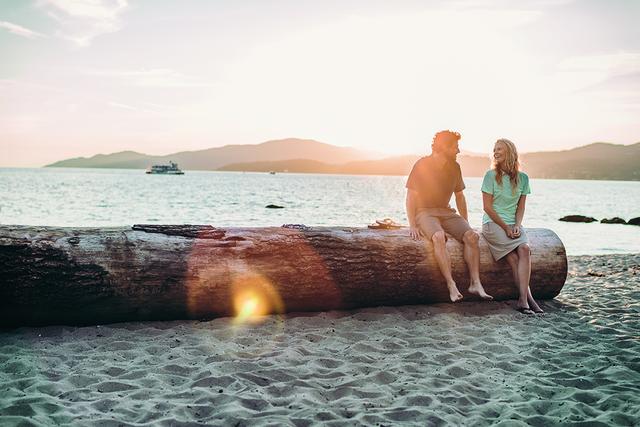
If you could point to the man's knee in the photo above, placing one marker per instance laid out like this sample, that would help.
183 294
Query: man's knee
524 250
470 237
438 238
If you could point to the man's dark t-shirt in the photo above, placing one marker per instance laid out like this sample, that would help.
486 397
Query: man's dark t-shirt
434 183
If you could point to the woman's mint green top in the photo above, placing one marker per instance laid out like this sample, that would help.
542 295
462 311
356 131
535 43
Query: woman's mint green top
505 202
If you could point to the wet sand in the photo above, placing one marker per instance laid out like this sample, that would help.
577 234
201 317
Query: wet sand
464 364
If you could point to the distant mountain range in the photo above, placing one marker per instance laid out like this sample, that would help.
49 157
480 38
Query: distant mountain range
594 161
215 158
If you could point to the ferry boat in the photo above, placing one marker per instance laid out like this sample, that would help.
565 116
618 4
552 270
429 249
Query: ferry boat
170 169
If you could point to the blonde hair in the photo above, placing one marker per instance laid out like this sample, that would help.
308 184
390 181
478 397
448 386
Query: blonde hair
510 166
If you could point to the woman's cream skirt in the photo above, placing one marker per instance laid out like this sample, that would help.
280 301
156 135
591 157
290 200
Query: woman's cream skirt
499 243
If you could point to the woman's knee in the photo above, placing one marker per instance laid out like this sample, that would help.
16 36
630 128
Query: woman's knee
512 257
524 250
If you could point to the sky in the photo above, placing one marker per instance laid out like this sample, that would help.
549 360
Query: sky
82 77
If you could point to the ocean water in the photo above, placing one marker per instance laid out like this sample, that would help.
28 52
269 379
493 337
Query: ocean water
118 197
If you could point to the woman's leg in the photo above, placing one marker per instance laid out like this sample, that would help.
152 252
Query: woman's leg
532 303
524 273
512 260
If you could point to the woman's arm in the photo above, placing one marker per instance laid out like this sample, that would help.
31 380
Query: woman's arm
487 204
520 210
519 215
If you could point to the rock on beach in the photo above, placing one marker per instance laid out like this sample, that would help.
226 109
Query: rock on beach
578 218
614 220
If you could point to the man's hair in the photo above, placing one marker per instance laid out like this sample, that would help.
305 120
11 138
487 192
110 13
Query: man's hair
443 139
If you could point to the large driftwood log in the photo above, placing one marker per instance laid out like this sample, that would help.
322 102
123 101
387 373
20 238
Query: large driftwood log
90 276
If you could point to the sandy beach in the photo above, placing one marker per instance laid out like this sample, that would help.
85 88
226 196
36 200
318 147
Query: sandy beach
465 364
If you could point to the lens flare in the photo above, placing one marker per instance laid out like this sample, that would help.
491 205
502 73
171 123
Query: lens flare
248 309
254 297
245 276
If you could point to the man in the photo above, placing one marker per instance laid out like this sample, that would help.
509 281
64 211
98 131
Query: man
431 183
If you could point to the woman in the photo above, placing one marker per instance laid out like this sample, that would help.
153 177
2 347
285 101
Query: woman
504 193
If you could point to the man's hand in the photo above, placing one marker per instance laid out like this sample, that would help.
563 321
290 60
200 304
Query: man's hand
415 232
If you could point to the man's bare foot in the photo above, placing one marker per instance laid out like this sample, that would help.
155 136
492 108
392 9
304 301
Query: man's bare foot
477 289
454 293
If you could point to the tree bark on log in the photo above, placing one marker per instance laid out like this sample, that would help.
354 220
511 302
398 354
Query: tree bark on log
82 276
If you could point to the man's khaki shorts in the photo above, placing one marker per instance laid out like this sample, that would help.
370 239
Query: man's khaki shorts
432 220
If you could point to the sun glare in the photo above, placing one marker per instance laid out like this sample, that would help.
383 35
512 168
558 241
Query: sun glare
249 309
254 298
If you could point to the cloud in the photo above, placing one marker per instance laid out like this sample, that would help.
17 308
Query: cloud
504 4
21 85
616 63
130 107
583 72
19 30
93 9
81 21
613 79
156 77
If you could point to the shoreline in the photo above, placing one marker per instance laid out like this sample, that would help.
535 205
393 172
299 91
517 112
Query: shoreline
267 172
472 363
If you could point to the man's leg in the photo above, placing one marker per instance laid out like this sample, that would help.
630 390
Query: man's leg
431 227
444 262
472 257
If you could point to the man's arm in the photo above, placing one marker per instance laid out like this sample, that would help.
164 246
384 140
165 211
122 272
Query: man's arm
410 204
461 204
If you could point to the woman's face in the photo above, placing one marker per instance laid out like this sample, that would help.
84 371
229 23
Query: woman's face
499 152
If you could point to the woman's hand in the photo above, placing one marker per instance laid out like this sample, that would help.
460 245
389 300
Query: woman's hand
509 231
515 231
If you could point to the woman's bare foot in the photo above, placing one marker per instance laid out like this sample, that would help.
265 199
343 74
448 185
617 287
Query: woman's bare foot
535 307
523 306
454 293
524 310
477 289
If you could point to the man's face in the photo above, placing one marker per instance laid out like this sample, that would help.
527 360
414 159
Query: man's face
451 151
